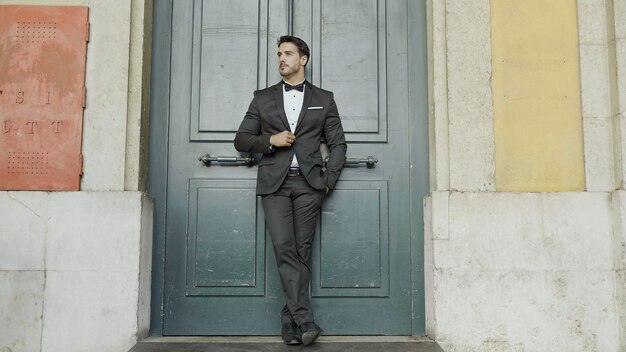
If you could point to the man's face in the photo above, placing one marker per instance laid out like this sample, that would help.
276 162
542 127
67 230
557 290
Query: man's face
289 59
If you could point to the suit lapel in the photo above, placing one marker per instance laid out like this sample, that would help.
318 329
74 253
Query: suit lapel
278 96
308 94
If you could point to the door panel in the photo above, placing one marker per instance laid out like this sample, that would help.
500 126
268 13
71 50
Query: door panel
352 254
220 272
220 99
353 55
349 49
223 259
229 61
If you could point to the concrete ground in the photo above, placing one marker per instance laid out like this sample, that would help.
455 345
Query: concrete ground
274 344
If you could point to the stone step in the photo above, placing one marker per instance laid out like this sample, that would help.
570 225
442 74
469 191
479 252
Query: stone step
274 344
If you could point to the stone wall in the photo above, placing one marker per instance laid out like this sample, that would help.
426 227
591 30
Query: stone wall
75 270
75 266
523 271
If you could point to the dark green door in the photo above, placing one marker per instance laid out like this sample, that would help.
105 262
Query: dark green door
220 275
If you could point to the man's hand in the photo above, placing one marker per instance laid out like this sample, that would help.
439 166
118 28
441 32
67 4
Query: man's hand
282 139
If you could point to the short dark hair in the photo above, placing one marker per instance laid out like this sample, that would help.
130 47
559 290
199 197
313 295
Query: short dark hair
303 49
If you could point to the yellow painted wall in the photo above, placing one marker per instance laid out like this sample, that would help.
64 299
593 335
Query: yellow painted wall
536 93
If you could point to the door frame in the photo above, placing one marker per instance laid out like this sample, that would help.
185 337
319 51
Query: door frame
160 90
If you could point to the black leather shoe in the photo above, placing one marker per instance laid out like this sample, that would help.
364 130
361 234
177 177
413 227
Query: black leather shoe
310 332
290 334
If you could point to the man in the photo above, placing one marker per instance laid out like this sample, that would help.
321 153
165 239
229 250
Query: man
287 122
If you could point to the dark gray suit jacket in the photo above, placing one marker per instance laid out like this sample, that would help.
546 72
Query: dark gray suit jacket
319 119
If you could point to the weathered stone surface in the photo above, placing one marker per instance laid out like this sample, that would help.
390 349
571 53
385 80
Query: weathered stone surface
21 305
91 254
438 98
620 48
470 109
94 231
440 203
599 154
90 311
138 96
145 268
519 310
23 219
527 231
619 12
619 230
595 82
592 22
524 272
107 96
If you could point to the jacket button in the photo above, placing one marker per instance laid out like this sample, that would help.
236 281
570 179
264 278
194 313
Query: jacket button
291 158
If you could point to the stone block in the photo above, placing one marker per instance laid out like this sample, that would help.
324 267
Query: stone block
107 95
613 79
592 22
619 230
620 48
581 226
470 110
519 310
487 229
595 80
429 298
90 311
619 11
440 206
98 231
145 268
23 219
527 231
619 125
621 308
138 95
438 97
599 156
21 307
618 151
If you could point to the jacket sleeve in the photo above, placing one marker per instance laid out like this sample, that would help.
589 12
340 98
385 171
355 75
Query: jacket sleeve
249 137
333 132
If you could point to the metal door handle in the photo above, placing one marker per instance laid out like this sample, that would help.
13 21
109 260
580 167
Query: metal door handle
370 161
206 159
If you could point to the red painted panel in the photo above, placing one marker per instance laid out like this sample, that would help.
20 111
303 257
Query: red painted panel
42 86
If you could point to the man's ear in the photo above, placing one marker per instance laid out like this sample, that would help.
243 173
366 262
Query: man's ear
305 62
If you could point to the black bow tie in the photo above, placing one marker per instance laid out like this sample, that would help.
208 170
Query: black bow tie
299 87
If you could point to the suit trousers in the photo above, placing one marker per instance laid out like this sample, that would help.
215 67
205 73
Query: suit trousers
290 216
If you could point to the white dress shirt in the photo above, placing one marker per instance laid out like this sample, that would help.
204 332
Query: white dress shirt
292 101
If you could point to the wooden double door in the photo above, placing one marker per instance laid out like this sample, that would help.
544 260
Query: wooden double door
220 276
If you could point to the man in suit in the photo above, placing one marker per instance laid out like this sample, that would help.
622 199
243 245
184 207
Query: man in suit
287 123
